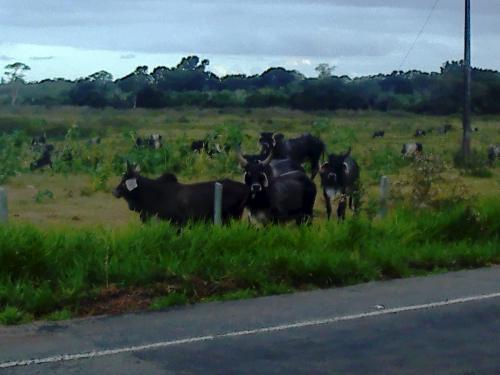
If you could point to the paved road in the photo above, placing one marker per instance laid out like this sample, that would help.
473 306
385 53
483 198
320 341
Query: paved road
444 324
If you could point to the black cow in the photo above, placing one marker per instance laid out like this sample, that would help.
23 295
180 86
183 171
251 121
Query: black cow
411 149
378 134
198 146
94 141
420 133
168 199
340 175
288 196
154 141
493 153
38 140
210 148
445 129
301 149
45 158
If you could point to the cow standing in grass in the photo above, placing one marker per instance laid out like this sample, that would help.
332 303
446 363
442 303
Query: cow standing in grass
168 199
154 141
410 150
493 153
420 133
340 176
277 198
378 134
45 159
301 149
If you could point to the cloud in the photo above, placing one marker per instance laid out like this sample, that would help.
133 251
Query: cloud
363 36
127 56
41 58
6 58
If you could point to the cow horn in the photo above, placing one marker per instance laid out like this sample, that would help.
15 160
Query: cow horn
267 160
241 158
348 152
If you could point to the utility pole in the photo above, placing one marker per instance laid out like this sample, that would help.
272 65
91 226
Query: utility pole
467 83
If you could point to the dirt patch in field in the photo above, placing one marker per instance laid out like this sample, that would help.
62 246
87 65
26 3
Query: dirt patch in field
115 300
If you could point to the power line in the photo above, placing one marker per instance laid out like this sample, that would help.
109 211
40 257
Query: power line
419 34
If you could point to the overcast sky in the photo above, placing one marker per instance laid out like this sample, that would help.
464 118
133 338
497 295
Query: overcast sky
74 38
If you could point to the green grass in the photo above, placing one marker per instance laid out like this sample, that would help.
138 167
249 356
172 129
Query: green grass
51 272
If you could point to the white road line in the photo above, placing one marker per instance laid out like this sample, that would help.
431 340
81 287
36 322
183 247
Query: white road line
282 327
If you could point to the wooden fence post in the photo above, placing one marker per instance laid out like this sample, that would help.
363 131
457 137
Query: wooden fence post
218 204
384 195
3 205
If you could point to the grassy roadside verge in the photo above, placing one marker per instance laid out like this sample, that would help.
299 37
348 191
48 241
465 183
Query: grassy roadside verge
56 273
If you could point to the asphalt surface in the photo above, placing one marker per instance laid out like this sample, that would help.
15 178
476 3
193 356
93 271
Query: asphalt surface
443 324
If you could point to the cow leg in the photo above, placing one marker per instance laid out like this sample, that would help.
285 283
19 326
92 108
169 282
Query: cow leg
350 202
341 209
328 205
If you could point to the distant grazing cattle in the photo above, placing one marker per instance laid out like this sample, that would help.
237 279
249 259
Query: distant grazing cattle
45 159
276 196
493 152
154 141
301 149
475 129
210 148
378 134
420 133
198 146
340 175
411 149
168 199
94 141
37 142
445 129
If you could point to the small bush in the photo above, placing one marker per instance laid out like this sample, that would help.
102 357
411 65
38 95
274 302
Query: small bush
43 196
11 315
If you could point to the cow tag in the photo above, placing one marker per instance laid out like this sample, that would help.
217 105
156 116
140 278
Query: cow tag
131 184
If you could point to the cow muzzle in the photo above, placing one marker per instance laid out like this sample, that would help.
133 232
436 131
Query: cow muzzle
255 188
116 193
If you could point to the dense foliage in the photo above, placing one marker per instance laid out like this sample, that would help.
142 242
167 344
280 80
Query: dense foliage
191 84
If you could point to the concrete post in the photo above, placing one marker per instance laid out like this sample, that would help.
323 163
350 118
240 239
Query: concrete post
3 205
218 204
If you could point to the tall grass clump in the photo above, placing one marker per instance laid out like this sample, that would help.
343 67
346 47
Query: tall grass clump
50 270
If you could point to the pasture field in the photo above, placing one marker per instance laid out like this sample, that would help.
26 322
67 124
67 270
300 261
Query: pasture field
71 248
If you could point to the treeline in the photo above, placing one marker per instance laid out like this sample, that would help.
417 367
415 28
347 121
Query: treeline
190 83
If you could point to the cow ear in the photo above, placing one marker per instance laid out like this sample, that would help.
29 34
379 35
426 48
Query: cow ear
323 167
266 180
346 167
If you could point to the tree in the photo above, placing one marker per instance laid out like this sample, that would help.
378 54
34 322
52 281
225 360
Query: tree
101 76
15 74
324 70
135 82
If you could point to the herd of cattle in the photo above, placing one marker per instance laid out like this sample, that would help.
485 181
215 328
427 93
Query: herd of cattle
275 186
